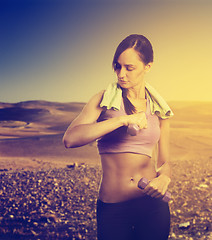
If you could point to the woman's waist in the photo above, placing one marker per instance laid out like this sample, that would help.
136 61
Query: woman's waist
121 174
116 188
118 181
125 165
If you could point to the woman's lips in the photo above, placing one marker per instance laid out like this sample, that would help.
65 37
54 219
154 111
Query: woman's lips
122 82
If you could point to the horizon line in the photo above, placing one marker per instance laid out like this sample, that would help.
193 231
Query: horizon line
52 101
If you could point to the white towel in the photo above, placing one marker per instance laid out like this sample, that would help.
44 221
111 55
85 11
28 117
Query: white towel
113 96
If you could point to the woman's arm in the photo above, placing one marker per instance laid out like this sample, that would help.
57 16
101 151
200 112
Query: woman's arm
84 129
158 186
163 164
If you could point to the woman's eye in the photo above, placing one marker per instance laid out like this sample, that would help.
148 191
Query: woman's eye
130 68
117 66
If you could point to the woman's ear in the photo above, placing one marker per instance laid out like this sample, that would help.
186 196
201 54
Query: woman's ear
148 67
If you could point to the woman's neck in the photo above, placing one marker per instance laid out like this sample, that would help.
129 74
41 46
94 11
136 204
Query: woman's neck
137 92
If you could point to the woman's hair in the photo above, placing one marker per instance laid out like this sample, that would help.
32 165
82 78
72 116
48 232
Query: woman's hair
144 49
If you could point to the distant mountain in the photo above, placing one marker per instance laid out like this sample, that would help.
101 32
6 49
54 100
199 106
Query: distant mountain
35 129
72 106
48 116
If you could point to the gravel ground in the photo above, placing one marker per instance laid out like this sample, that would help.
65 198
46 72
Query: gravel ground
60 203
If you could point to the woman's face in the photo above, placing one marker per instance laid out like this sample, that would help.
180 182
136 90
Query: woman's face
130 69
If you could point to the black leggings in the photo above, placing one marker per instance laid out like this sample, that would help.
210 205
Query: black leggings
143 218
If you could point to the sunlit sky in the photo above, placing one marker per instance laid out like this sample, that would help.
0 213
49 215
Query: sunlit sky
59 50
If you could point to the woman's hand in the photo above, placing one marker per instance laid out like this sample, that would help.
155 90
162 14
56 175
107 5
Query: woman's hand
137 118
158 186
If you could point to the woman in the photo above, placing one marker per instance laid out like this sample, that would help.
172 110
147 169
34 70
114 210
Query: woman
125 211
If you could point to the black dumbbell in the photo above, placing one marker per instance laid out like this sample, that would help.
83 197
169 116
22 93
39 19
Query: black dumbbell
143 182
133 129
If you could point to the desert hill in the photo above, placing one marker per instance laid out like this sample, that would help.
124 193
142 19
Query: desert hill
191 129
34 130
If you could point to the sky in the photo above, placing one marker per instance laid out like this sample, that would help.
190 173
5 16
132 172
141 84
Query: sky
62 50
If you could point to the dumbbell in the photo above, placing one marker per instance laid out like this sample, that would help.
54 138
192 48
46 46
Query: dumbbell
133 129
143 183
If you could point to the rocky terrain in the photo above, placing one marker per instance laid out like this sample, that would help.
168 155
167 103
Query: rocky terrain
60 203
49 204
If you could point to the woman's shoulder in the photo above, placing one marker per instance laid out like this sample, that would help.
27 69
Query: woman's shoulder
97 97
95 100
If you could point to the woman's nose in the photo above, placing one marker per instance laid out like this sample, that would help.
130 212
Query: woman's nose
121 73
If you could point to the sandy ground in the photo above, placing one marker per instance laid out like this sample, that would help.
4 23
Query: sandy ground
32 140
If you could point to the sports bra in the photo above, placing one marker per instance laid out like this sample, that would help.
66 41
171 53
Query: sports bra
119 141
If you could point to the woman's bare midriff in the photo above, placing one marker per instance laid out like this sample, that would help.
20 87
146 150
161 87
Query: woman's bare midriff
121 173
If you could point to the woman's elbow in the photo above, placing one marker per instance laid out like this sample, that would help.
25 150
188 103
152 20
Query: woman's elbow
73 139
67 142
70 143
